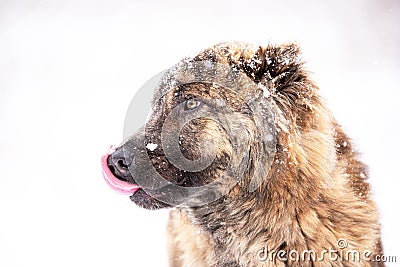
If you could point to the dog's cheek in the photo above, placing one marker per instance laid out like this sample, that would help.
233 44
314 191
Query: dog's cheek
189 140
205 131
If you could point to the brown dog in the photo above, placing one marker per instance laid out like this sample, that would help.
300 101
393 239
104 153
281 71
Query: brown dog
287 186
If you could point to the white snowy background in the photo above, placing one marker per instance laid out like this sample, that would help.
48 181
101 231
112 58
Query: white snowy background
69 69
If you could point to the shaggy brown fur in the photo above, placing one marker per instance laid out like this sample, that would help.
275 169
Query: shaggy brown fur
315 192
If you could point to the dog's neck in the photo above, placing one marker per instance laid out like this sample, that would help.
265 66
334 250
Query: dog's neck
294 210
252 223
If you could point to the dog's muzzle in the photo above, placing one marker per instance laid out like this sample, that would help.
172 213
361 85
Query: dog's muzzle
116 171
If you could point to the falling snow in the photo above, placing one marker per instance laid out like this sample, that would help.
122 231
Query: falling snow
265 90
151 146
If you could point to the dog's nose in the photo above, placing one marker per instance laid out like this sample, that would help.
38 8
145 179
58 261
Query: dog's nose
119 162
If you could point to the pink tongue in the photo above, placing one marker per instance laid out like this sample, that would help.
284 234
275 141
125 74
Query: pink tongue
116 184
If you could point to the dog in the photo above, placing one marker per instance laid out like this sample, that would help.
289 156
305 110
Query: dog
257 172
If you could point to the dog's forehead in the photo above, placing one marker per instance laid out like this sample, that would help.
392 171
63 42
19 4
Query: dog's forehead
212 65
176 93
263 65
226 52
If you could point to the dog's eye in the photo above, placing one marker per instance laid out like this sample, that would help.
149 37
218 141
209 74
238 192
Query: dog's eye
192 103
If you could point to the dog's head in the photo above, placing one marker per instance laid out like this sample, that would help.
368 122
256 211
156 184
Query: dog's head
215 127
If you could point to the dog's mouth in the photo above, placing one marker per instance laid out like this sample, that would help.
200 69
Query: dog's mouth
117 183
118 176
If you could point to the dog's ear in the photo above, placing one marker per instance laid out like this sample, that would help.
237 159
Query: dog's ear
290 84
283 66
